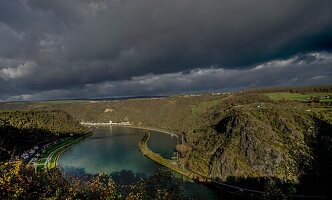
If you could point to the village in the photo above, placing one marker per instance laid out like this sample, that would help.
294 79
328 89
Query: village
32 155
29 154
127 123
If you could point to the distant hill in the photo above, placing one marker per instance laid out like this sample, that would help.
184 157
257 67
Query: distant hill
20 130
303 90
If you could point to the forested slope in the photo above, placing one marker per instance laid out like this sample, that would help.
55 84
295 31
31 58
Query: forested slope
20 130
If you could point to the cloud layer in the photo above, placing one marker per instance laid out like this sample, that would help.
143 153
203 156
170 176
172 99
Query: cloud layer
60 49
308 69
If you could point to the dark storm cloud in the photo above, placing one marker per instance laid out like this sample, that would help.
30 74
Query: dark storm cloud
296 71
48 46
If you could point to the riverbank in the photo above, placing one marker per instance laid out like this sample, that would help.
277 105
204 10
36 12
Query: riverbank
171 164
49 159
154 129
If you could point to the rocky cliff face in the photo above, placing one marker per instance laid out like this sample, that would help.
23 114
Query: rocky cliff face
255 141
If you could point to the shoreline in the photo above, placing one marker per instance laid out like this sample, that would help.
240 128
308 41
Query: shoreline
169 164
139 127
65 147
53 157
153 129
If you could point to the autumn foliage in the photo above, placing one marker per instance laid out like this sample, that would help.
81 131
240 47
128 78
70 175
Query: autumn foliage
20 181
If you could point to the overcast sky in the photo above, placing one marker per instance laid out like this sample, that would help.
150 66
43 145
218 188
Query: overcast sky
104 48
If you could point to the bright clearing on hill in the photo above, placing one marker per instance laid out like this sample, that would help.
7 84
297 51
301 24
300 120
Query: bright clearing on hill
322 97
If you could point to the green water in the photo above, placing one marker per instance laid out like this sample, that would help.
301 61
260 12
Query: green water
114 150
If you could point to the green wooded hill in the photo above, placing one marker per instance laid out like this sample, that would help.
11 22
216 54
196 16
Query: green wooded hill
244 135
21 130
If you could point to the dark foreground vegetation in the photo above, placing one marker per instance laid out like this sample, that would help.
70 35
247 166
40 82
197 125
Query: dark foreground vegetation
250 138
18 181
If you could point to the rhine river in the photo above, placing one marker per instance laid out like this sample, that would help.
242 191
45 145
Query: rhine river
114 150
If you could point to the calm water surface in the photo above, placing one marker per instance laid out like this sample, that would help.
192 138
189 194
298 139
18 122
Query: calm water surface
114 150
